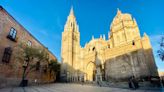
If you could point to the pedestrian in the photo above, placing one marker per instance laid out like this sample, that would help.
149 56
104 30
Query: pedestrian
82 81
129 82
133 83
98 82
35 81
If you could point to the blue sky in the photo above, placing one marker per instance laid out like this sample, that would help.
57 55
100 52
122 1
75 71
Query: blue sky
46 19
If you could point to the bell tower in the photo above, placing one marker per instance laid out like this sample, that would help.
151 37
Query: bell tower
70 45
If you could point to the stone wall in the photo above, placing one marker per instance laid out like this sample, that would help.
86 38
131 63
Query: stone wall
130 64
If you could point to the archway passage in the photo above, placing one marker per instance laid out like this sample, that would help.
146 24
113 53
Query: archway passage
91 71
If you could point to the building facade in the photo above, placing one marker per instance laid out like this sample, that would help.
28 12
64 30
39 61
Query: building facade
124 54
12 34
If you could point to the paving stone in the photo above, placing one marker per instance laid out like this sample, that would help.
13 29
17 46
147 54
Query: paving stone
65 87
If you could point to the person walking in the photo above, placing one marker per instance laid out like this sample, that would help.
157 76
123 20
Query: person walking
130 82
133 83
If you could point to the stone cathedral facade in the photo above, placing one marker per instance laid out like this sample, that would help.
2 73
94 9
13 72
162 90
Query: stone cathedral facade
125 53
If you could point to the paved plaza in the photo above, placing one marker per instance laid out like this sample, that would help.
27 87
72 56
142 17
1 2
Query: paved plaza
61 87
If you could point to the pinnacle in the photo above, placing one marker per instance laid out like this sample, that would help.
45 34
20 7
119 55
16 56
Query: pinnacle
93 37
71 11
118 11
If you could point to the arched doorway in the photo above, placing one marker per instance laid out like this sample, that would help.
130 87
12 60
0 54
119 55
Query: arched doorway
91 71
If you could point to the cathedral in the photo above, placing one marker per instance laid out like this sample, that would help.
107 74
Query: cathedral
124 54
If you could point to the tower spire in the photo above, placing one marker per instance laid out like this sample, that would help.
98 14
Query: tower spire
118 11
104 36
93 37
71 11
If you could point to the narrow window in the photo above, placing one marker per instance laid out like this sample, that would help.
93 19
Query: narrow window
7 55
71 24
133 43
93 49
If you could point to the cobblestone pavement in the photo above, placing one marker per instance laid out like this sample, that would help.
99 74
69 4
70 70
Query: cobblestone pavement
61 87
